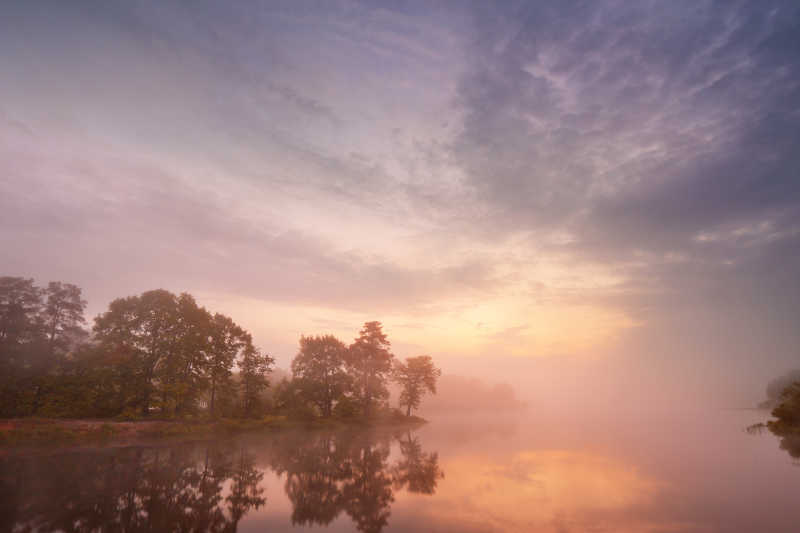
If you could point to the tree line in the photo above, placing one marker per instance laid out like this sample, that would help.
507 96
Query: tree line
162 353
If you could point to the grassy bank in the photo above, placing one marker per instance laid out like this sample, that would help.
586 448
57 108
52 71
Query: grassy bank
44 431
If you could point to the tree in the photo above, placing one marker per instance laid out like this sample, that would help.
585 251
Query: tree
319 368
20 323
788 411
417 376
20 303
22 358
369 361
35 336
63 315
254 368
226 340
181 374
141 329
776 387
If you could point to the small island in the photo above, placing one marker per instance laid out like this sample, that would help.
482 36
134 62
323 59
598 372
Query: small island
158 364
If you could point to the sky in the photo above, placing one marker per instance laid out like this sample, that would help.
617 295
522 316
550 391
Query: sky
595 201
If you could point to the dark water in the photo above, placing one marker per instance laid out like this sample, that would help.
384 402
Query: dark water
691 472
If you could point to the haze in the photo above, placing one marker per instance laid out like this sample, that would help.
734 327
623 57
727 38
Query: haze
595 202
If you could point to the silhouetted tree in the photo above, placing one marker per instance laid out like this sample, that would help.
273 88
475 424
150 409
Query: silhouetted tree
788 411
20 304
226 340
254 368
369 362
319 369
416 376
63 316
35 337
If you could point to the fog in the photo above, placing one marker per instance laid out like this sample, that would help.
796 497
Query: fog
595 204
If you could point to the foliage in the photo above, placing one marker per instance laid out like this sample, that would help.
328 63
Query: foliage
254 369
319 369
151 353
787 412
37 329
776 387
416 376
369 362
162 354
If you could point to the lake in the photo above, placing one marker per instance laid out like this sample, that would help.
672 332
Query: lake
685 472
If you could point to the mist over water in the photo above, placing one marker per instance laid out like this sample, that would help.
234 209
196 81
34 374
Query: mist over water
570 230
523 471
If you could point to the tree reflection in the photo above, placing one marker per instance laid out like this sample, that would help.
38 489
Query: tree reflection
417 470
328 474
212 487
140 489
367 491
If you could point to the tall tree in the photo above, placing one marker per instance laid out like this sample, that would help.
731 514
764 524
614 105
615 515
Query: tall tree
142 330
319 368
63 315
226 340
20 304
22 356
369 361
254 368
181 374
417 376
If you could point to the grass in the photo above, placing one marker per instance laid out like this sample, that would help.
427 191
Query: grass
43 431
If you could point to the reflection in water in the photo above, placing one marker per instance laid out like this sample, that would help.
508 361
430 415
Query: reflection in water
133 489
533 490
211 487
350 472
682 474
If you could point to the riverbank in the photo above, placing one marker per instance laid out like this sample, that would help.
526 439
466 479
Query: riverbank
56 431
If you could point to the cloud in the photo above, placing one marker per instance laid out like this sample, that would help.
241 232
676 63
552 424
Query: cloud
503 164
634 135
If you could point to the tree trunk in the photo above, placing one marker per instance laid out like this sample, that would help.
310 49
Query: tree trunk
213 394
146 404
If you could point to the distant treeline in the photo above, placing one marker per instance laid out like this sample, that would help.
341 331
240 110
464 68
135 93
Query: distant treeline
161 353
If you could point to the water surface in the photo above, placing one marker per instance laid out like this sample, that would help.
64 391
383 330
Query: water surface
689 472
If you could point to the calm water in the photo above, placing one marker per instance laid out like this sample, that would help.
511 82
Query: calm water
697 472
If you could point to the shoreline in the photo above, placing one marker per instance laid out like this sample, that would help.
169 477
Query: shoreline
46 432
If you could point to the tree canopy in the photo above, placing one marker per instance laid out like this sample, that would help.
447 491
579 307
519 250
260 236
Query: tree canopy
416 376
153 352
162 354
